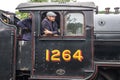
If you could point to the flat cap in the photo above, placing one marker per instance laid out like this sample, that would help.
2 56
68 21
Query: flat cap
51 14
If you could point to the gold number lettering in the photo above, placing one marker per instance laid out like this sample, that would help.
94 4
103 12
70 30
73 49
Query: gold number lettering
55 56
66 55
78 55
47 55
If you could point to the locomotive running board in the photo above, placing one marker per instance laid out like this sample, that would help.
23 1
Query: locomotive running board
107 63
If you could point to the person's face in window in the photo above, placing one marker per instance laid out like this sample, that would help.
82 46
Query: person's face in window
51 18
30 15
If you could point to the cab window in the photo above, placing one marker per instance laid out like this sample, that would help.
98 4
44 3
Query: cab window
74 24
57 20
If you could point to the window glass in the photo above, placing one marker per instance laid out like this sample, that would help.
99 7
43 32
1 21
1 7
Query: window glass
74 24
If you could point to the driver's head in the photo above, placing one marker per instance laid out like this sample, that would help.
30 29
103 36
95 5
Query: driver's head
51 16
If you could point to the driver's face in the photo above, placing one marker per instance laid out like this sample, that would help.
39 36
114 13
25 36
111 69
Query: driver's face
51 18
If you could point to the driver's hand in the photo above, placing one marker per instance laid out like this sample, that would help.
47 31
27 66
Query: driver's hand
47 32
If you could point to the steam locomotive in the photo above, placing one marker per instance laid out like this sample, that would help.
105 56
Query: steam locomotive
86 49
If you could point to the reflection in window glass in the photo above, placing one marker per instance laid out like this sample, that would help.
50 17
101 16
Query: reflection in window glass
74 24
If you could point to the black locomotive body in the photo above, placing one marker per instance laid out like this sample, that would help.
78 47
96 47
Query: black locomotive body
107 31
86 49
107 45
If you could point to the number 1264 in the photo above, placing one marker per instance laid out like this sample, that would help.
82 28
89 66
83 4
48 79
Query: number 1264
66 55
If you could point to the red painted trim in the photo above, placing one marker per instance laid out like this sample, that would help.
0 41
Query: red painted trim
92 46
33 43
15 43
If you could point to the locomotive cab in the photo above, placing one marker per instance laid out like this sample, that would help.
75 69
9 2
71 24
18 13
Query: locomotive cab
69 54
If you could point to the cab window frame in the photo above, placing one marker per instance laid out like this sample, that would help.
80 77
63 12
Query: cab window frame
83 25
59 28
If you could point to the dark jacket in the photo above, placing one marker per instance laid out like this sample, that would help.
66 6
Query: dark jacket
51 26
26 26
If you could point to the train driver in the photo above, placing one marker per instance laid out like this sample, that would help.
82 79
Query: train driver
49 25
